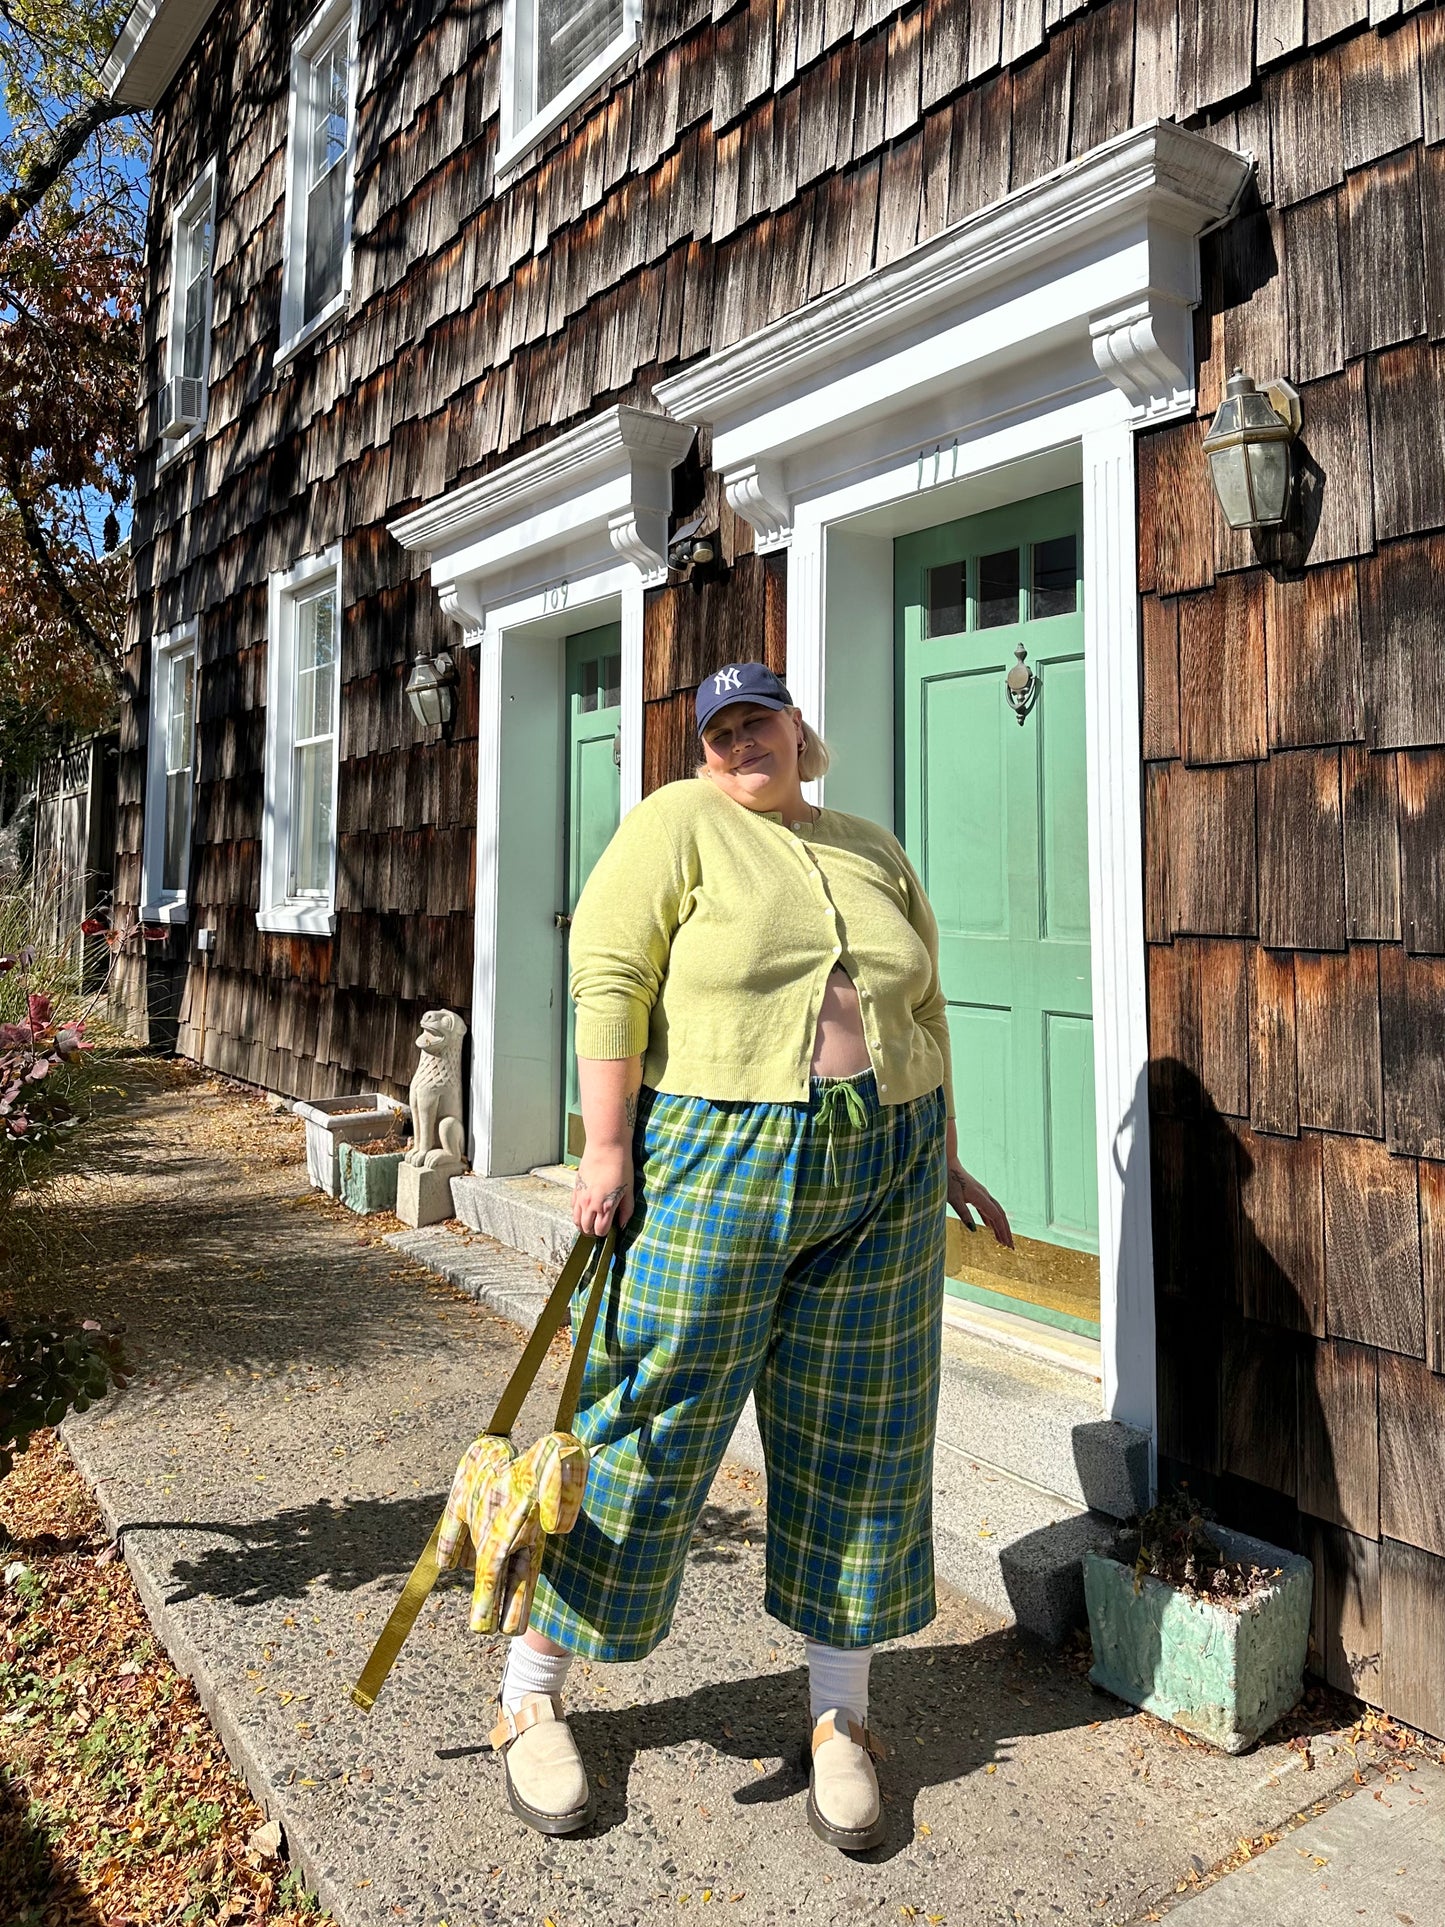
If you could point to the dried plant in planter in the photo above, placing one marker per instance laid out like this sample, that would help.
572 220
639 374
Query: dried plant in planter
1172 1543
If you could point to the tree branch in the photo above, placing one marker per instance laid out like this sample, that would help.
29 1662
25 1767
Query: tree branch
44 168
70 605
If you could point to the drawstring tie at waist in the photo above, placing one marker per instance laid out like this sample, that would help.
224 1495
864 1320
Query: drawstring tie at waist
841 1107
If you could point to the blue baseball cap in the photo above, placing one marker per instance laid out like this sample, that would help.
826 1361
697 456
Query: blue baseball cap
740 682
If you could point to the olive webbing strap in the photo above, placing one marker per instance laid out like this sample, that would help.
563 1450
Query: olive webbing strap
425 1572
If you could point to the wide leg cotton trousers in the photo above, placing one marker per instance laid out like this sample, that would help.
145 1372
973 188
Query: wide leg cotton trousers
795 1251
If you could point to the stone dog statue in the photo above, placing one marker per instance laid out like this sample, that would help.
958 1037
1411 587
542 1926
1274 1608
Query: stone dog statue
438 1138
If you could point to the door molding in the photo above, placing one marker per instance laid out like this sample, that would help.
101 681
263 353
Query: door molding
563 538
1015 352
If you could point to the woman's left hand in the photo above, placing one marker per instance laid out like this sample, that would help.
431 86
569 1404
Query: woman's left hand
967 1195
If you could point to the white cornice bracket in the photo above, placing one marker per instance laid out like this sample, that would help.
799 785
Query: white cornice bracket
1146 348
601 489
759 494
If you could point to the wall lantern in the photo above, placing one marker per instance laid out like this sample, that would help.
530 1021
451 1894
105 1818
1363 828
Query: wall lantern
429 689
1250 446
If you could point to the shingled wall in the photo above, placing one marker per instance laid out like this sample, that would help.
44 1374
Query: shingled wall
757 155
1294 723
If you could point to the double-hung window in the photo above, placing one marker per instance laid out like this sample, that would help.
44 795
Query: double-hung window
554 52
189 346
170 777
303 711
317 270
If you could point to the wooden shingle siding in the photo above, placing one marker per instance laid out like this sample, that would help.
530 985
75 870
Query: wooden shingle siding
1329 952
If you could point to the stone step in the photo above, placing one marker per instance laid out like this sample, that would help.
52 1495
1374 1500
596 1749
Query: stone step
1026 1466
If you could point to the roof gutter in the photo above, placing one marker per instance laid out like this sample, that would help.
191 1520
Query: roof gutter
150 48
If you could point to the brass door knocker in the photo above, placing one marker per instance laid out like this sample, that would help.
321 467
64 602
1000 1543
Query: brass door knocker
1022 685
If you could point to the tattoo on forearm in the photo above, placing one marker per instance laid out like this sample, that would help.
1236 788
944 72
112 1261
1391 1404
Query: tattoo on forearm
630 1108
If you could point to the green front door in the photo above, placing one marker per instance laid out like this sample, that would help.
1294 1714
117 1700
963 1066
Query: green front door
594 800
993 811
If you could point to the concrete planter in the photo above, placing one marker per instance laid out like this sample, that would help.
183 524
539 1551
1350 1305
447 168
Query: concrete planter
368 1178
334 1121
1224 1675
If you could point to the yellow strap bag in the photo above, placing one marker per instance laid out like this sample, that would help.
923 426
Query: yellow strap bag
501 1503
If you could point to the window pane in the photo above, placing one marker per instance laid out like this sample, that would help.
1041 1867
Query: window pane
326 144
570 35
311 820
947 612
328 108
315 665
195 274
180 711
998 589
588 699
611 690
178 829
325 209
1056 577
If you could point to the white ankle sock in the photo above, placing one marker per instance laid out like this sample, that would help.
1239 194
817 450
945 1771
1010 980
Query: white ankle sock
528 1671
838 1679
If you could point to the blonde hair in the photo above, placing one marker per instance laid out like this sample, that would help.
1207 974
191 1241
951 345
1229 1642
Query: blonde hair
813 758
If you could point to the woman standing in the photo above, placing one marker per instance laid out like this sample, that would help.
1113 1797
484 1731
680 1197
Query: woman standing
761 1039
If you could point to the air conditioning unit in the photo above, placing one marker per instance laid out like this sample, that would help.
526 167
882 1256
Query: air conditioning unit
181 405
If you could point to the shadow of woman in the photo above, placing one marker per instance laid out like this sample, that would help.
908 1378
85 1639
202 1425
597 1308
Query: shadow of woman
1252 1393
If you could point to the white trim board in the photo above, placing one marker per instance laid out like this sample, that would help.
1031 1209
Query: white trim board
1017 350
560 539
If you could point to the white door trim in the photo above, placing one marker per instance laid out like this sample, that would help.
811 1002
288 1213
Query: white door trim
564 538
1013 352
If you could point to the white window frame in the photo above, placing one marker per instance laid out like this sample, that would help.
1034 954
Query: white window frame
519 134
313 37
159 905
202 190
280 909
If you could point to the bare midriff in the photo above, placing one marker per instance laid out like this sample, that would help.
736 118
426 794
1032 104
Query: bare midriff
839 1046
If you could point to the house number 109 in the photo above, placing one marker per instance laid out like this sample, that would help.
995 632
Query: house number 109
555 597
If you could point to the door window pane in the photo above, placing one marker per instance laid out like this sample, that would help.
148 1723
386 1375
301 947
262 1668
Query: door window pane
570 36
326 144
998 589
1056 577
946 613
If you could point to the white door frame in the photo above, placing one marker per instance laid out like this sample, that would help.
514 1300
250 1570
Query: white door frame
1016 351
561 539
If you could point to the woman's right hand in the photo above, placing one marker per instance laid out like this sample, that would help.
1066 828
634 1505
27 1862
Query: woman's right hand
602 1194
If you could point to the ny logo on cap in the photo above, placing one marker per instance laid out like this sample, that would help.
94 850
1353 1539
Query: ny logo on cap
727 679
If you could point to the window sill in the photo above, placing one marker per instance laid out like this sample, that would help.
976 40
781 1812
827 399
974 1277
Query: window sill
514 151
298 919
303 337
172 448
171 910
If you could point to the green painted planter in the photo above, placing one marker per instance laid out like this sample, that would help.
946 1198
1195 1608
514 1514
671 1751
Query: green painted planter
368 1178
1225 1676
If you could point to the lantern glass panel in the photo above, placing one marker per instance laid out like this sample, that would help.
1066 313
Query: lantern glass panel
1230 469
1270 468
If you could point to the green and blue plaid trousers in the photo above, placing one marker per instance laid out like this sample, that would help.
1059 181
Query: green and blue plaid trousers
795 1251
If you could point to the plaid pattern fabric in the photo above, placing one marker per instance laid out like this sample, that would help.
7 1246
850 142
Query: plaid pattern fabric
796 1251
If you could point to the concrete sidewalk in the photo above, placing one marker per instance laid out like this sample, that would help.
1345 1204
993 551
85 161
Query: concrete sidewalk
274 1469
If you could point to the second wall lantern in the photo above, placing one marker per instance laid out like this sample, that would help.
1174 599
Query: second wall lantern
1250 446
429 689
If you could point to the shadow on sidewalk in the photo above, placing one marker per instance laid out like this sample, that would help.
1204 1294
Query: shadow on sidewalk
352 1542
944 1713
